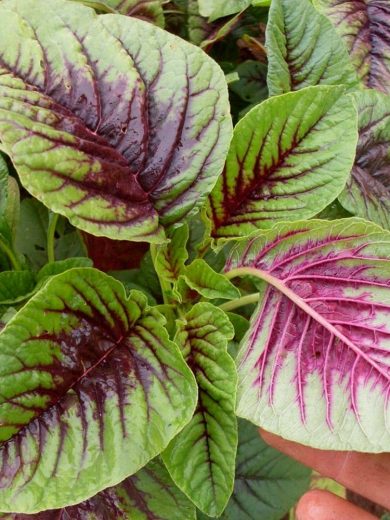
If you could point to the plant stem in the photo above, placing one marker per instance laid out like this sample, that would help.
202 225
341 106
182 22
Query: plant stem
10 254
51 231
165 286
240 302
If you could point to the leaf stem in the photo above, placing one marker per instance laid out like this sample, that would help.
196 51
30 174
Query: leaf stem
240 302
165 286
51 231
10 254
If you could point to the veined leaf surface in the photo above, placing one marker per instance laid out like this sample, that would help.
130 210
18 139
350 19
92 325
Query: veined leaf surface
108 120
201 459
304 49
315 364
91 390
367 193
150 494
364 26
267 482
289 158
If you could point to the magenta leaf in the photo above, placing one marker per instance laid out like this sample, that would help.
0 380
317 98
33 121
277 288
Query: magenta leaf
314 366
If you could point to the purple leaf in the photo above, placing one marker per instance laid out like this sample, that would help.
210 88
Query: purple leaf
364 26
108 120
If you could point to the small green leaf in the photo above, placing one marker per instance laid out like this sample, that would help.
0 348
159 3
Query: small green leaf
289 158
91 390
170 259
15 286
252 83
214 9
201 459
304 49
202 278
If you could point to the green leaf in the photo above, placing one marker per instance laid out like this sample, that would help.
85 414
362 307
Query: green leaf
252 85
15 286
149 494
200 277
314 366
87 375
304 49
367 193
54 268
219 8
267 483
123 131
170 259
290 157
201 459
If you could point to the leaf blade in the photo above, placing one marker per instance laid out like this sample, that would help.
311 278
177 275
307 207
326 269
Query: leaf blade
304 49
314 331
106 383
201 459
113 173
285 161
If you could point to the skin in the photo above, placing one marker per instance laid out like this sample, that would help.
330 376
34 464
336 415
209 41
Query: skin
366 474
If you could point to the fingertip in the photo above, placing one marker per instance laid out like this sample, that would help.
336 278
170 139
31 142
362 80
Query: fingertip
323 505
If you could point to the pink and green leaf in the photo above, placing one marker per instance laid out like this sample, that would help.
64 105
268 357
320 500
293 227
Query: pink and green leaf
123 130
367 193
304 49
314 366
364 26
289 158
91 390
201 459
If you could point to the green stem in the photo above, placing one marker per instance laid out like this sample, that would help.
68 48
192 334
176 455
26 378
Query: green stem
10 254
51 231
240 302
165 286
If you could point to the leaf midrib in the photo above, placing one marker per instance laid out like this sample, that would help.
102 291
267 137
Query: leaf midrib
300 302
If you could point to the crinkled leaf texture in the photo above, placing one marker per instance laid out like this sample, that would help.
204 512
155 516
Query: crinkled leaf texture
150 494
91 390
367 193
289 158
201 459
364 26
304 49
315 364
109 120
